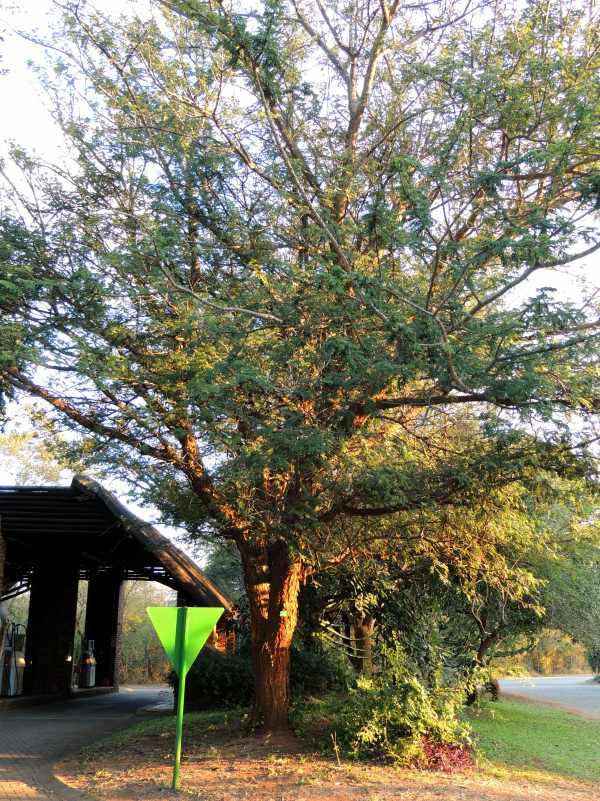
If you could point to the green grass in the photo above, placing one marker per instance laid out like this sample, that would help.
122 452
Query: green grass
163 726
513 739
537 740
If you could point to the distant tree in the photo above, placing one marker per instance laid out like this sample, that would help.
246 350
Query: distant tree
27 457
18 609
552 653
224 567
484 583
142 656
560 564
593 656
291 237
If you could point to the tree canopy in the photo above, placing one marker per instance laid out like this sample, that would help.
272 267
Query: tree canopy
290 252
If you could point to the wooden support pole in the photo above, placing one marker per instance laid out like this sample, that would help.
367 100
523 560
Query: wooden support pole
3 621
51 628
103 623
2 558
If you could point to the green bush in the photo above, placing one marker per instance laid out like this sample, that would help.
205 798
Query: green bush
318 669
593 657
394 716
394 721
218 681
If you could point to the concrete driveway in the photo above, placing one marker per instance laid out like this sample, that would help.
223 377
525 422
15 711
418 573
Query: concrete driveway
33 738
575 693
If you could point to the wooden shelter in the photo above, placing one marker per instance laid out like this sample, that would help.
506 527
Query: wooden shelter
50 539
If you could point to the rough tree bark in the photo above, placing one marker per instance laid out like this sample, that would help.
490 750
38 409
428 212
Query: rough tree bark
363 637
273 582
480 660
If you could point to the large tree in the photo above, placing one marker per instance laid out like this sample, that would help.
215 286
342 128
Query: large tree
287 243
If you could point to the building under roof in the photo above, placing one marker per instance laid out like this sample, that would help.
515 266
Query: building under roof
55 536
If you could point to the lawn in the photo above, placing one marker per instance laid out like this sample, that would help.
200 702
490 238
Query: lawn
537 739
525 752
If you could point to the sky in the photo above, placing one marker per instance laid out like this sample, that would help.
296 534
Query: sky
26 120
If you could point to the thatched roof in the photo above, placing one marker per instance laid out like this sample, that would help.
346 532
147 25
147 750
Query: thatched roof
88 522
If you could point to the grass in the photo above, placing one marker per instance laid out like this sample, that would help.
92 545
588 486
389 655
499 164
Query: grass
536 740
162 727
515 740
524 751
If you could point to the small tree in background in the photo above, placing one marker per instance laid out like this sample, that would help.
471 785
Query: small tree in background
593 656
288 240
29 458
142 656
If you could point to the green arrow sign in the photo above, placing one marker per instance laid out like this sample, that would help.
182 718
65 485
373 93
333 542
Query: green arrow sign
182 631
199 624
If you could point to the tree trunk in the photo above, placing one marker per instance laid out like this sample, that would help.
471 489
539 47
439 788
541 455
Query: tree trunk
480 661
273 583
363 637
484 646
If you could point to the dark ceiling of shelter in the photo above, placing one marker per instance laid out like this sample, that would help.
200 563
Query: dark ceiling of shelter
86 525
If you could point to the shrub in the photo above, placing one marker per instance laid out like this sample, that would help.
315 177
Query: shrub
593 657
395 720
393 716
218 681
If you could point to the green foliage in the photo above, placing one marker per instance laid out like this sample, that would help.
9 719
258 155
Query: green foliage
282 318
593 657
547 652
484 585
389 716
18 609
318 669
28 458
251 316
143 659
223 680
224 568
218 680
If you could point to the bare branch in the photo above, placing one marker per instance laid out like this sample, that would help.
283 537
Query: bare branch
316 36
526 273
88 421
187 290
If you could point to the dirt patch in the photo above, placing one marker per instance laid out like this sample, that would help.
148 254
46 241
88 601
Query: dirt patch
222 764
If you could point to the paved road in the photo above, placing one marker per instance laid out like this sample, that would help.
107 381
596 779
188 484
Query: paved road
33 738
576 693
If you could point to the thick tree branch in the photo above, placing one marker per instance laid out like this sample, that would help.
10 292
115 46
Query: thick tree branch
20 381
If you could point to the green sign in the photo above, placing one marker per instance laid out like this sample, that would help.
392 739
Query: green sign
182 631
200 623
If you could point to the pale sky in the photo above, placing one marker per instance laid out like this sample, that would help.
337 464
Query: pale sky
27 121
25 116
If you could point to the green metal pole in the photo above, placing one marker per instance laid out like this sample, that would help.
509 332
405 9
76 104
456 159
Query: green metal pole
180 642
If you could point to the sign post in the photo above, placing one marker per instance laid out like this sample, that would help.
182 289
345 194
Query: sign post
182 631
